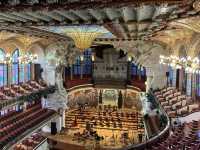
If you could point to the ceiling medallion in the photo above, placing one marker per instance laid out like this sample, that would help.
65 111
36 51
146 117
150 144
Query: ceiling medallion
196 5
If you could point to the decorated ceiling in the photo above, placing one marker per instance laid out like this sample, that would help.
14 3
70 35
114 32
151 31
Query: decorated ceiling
130 24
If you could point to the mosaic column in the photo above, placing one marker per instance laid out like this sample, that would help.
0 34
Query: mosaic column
194 86
181 79
174 78
189 84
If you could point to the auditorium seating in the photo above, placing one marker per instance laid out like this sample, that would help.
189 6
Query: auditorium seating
15 91
175 103
15 124
30 143
184 137
108 116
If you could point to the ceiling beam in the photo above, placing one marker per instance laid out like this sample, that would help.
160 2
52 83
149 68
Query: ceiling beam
82 4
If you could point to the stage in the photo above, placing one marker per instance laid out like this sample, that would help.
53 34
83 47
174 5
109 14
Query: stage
117 128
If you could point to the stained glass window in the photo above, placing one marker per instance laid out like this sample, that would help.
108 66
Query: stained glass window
28 72
21 72
77 66
15 67
3 70
87 66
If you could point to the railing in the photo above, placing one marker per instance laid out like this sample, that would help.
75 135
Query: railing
28 132
164 133
40 144
77 81
29 97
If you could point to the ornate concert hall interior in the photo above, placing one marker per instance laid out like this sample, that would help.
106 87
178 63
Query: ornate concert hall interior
100 74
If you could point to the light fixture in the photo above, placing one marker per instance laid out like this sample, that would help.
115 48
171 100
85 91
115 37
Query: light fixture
27 41
129 58
7 59
92 57
23 59
81 58
27 58
191 65
84 35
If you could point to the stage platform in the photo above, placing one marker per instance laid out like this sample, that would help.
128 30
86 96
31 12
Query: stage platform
117 128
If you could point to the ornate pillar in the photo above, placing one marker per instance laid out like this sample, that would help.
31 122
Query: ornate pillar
81 70
32 71
174 78
128 71
181 79
194 86
189 84
25 72
71 72
63 118
149 75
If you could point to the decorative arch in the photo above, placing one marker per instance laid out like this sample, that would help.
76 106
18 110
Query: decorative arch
10 45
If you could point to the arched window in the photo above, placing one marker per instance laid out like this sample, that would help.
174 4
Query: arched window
15 67
3 70
21 73
77 66
87 66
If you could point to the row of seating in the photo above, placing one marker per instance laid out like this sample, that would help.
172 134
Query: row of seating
14 125
116 119
184 137
175 103
8 93
30 143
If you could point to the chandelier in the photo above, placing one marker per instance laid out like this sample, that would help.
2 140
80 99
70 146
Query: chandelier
26 40
27 58
191 65
83 36
7 59
24 59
